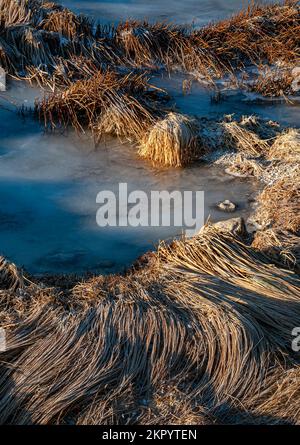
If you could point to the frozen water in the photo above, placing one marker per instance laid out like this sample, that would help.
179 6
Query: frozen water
48 187
198 12
49 183
199 101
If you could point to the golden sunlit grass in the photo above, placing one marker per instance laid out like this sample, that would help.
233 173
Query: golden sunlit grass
172 141
199 332
286 146
202 327
279 204
259 35
105 103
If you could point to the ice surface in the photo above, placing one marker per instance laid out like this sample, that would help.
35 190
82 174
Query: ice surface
48 187
49 183
198 12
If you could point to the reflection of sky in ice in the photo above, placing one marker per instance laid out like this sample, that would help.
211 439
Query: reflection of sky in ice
49 183
177 11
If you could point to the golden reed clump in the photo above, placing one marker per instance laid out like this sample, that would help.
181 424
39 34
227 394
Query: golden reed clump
107 102
172 141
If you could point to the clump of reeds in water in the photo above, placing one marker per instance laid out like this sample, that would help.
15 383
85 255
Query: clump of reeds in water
172 141
246 135
124 105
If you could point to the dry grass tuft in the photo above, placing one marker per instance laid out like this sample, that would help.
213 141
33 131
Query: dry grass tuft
67 24
173 141
262 149
259 35
274 83
279 205
125 119
282 247
245 136
10 277
243 167
156 345
107 102
286 146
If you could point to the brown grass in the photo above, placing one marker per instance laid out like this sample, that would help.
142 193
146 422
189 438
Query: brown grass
282 247
107 102
280 398
244 136
242 166
173 141
14 13
279 205
286 147
259 35
200 331
157 345
67 24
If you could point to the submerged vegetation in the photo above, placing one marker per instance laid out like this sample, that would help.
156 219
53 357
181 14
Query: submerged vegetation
200 331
